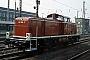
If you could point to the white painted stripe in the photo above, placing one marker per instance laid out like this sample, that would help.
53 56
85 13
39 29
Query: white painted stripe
56 36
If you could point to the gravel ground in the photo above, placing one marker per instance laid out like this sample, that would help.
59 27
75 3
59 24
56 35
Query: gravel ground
61 54
85 56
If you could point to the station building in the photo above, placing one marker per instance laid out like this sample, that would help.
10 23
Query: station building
7 25
82 25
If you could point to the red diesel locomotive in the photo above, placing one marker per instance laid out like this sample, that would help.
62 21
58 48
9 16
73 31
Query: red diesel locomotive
32 33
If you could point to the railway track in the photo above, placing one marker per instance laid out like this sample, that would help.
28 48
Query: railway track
85 56
14 55
8 53
65 53
78 55
11 54
2 39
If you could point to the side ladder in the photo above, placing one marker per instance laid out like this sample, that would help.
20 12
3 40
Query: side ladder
32 41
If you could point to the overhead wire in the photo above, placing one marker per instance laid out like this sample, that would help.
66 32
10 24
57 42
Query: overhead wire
80 10
49 8
65 4
87 4
72 7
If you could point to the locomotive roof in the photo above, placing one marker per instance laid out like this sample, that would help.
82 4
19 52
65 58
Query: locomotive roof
58 15
35 18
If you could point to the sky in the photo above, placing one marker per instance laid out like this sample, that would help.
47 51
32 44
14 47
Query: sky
63 7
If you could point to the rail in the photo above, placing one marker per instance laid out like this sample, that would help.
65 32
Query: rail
76 56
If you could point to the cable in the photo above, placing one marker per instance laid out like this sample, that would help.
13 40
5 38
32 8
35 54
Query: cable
65 4
27 4
49 9
87 4
59 10
70 6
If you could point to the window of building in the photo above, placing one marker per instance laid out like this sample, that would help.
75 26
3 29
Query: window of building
3 14
3 20
10 15
1 25
11 19
16 15
4 25
13 15
81 25
78 22
0 14
10 28
78 25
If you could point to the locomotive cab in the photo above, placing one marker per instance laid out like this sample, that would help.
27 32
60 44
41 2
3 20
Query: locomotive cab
22 36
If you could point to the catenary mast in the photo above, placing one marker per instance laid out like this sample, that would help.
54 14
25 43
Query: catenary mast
20 7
